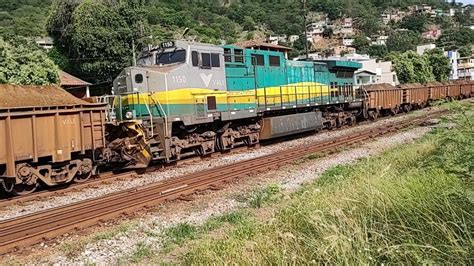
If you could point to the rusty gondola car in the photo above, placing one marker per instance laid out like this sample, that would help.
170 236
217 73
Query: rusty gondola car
47 136
437 91
387 99
382 98
414 95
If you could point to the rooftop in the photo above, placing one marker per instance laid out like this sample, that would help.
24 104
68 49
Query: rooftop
67 79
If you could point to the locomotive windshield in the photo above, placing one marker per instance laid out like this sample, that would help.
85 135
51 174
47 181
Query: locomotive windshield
177 56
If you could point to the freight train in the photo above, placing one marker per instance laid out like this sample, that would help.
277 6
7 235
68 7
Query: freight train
189 99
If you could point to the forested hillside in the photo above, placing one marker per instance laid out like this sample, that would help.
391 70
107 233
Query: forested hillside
23 17
93 38
211 20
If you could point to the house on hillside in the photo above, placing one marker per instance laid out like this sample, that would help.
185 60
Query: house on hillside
393 15
275 38
432 34
45 42
421 49
74 85
315 30
379 40
293 38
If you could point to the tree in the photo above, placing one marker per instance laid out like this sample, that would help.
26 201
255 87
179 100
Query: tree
454 39
402 41
97 36
377 51
411 67
440 64
23 62
361 43
369 24
465 51
249 24
328 32
416 23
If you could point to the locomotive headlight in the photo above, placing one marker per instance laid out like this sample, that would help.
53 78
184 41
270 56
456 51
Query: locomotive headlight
129 115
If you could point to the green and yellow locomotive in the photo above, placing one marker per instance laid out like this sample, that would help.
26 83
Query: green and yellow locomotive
187 98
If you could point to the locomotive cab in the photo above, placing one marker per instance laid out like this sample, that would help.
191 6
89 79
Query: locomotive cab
176 75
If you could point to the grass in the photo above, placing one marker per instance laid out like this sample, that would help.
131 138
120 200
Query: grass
261 196
141 252
413 204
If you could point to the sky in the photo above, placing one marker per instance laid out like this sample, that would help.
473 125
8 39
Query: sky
466 1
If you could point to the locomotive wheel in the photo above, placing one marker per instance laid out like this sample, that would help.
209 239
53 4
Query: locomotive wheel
80 178
24 189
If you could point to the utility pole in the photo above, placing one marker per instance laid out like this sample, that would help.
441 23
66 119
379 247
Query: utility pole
134 63
305 30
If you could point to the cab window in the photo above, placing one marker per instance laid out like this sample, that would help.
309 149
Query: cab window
215 60
195 58
206 60
165 58
258 60
274 60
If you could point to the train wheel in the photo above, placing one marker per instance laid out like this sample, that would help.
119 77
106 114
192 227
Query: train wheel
85 171
24 189
79 178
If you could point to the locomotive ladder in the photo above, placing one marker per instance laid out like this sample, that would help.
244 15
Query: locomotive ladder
154 143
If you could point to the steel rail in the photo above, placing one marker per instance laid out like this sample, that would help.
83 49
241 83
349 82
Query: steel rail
37 227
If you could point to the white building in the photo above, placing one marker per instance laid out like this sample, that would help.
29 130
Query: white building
375 72
421 49
380 40
453 57
45 42
275 39
315 30
465 68
355 57
347 41
293 38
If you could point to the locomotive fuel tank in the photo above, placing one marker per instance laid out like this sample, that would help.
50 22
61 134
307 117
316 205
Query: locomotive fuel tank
279 126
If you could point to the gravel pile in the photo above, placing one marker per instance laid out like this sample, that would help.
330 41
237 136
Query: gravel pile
35 95
55 201
148 230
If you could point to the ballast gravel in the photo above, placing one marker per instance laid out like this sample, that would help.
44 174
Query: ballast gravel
148 230
20 209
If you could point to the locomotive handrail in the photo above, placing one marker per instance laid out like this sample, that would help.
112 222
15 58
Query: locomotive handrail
164 115
151 117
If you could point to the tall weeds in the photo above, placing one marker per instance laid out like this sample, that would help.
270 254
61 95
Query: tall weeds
413 204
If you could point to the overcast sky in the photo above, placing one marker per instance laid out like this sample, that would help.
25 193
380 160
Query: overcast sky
466 1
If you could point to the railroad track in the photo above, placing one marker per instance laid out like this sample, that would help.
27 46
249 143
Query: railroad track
104 178
34 228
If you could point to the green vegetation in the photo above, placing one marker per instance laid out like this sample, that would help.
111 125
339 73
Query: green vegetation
414 68
413 204
23 18
22 62
261 196
141 252
454 38
94 38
